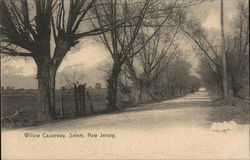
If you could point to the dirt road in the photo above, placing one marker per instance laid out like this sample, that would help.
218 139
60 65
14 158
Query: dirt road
173 129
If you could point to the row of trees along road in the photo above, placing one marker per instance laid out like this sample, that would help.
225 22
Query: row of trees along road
158 70
236 50
31 28
134 38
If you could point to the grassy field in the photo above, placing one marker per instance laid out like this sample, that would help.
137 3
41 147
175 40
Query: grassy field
27 103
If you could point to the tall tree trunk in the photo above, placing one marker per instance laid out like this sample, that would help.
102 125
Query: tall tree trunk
46 93
148 94
137 93
52 88
76 98
112 87
142 93
236 92
82 98
235 86
136 81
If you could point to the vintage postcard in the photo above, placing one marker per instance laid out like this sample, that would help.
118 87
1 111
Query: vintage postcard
124 79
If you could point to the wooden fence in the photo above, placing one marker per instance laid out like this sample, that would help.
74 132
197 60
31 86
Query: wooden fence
81 97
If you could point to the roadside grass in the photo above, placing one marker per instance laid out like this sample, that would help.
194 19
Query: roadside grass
234 109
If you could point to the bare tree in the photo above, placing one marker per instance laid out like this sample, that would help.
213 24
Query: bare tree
153 59
237 51
207 53
121 41
175 79
24 36
192 28
75 78
28 34
211 75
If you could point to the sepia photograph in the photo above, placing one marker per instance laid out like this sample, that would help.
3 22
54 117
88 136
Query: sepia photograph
124 79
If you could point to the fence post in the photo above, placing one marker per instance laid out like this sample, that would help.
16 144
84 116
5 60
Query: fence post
61 102
90 102
76 99
83 98
81 91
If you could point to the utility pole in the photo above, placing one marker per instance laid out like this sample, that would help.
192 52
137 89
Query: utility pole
225 87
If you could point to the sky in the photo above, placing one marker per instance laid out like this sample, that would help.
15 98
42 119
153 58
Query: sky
89 54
